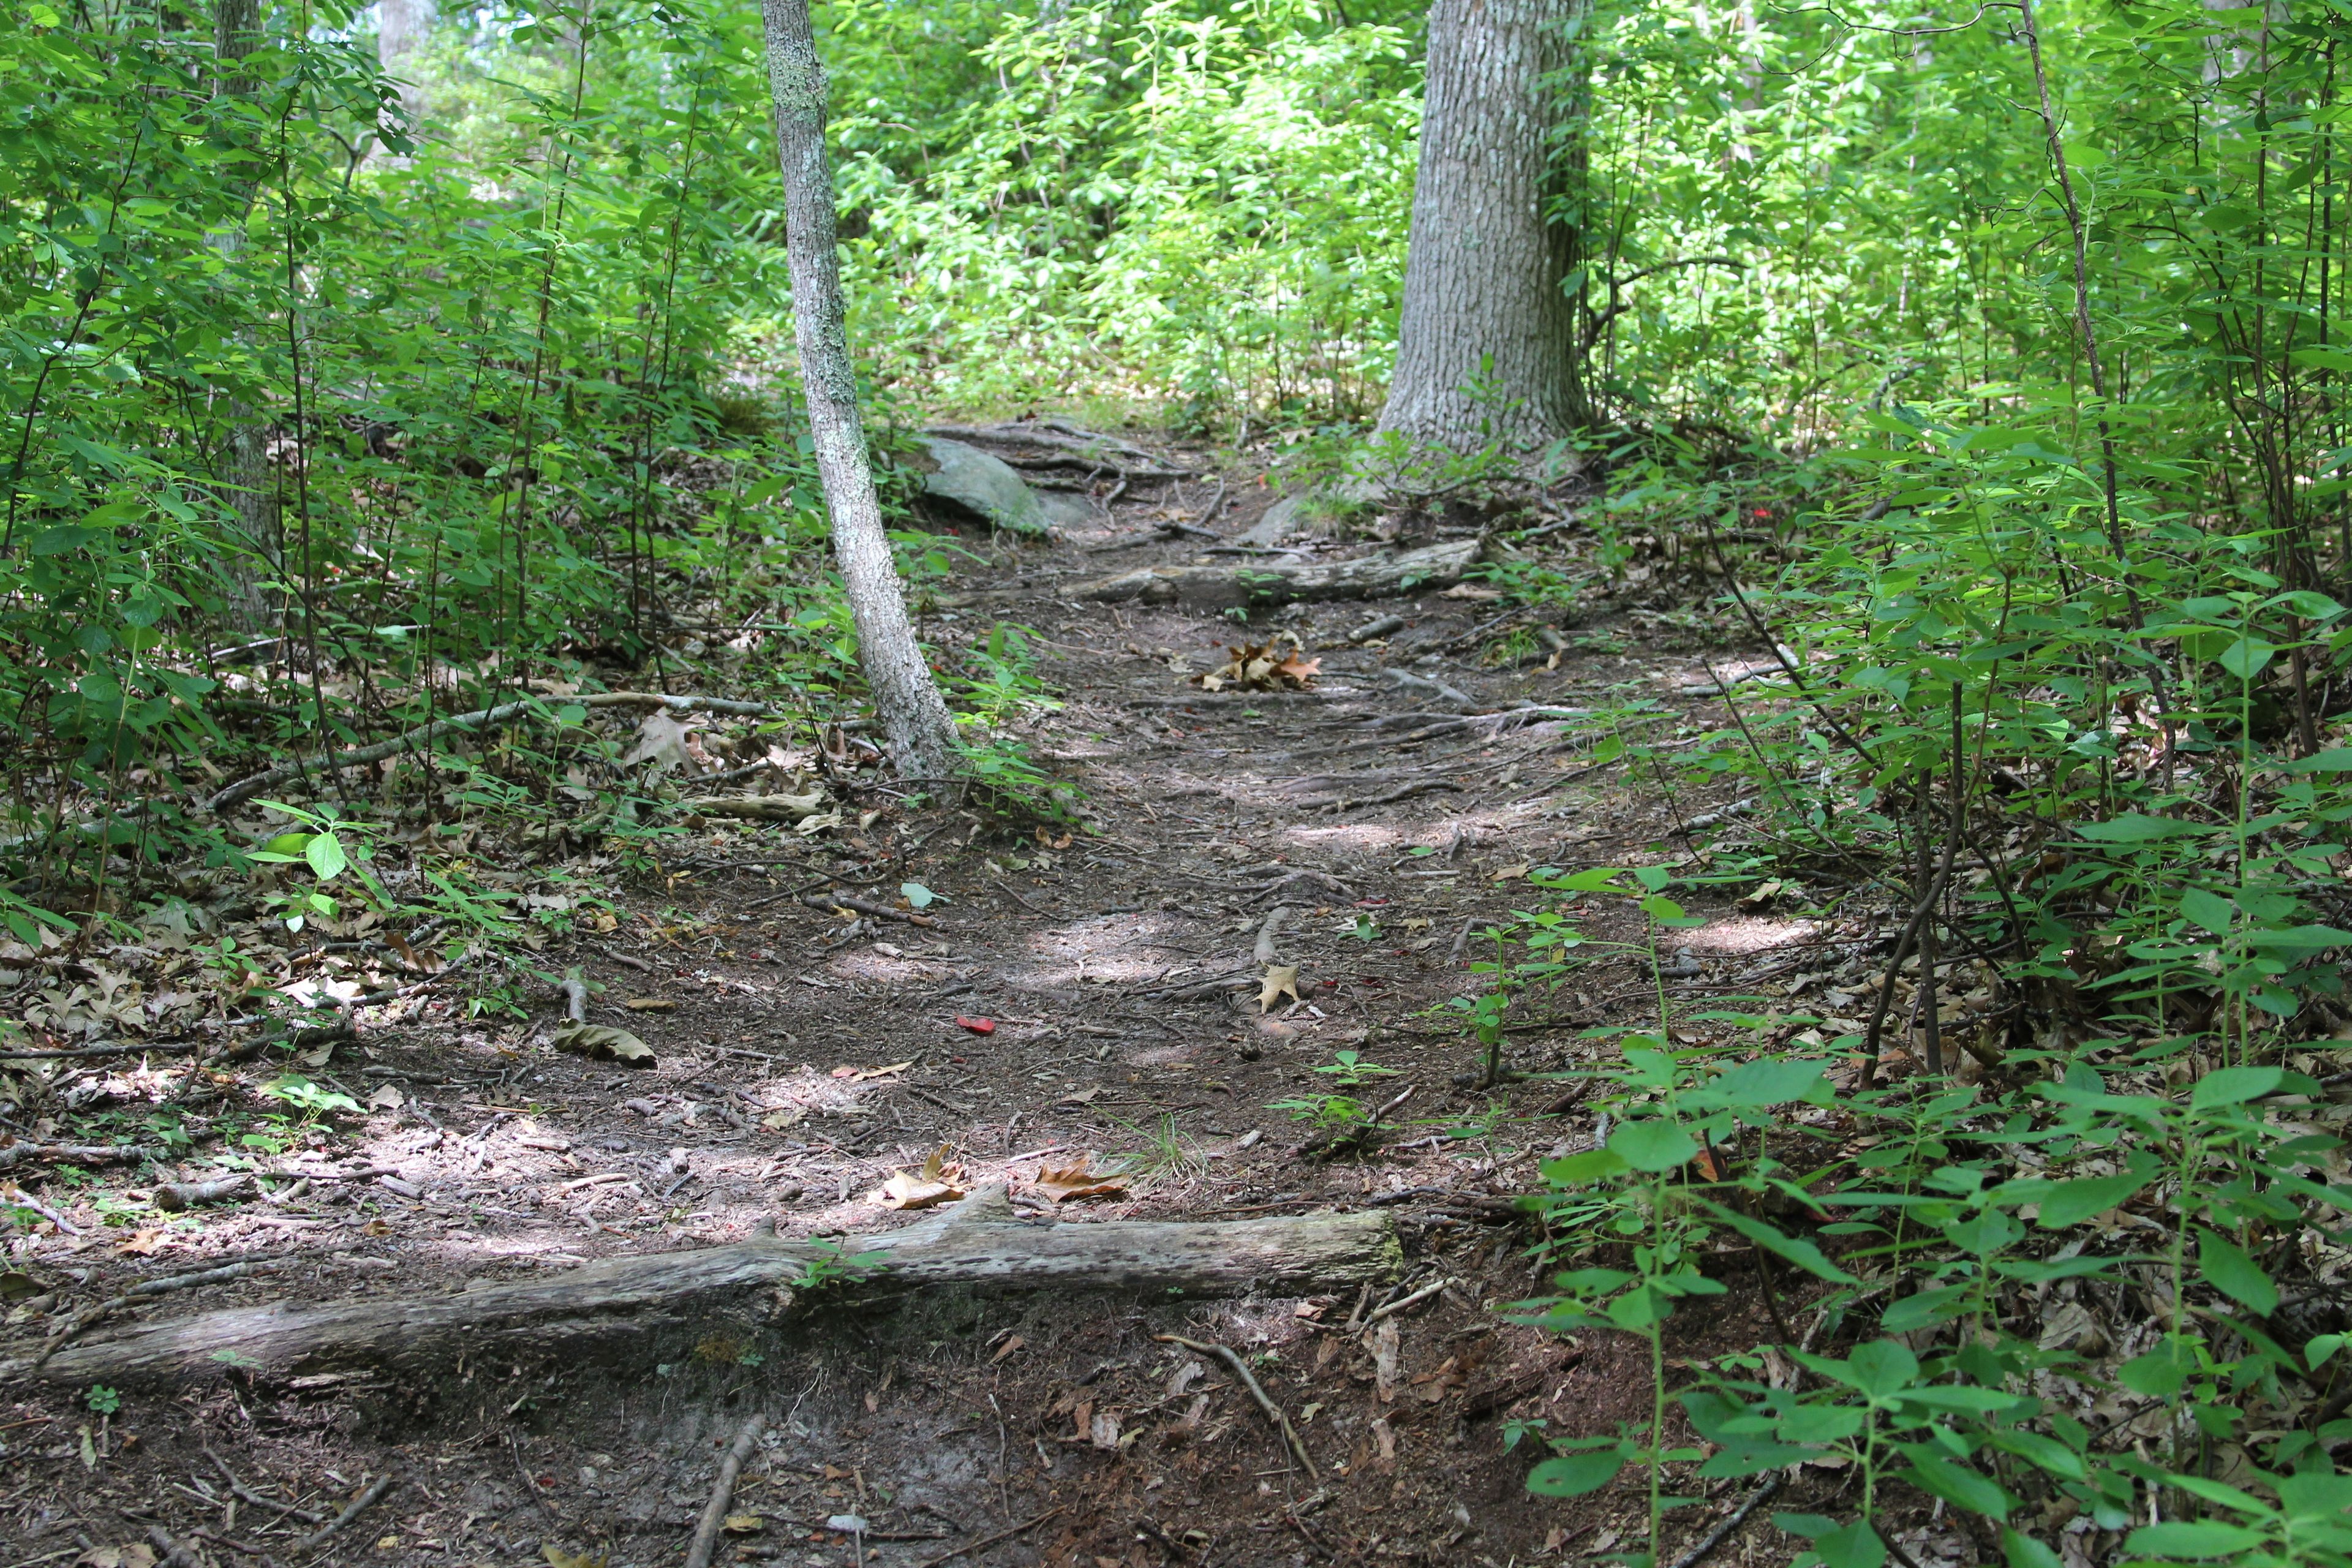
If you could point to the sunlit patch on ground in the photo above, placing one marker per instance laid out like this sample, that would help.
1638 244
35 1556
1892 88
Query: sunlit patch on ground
1110 948
1747 933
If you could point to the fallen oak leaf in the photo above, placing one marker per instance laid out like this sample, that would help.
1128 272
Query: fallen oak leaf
1073 1183
1280 980
936 1182
601 1043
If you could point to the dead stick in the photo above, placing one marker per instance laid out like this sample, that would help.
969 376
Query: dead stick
714 1512
530 1485
1273 1411
1006 889
1715 1537
356 1507
308 1516
1007 1534
864 907
173 1553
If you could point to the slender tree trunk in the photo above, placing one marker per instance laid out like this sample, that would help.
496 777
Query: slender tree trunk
250 486
1488 348
919 734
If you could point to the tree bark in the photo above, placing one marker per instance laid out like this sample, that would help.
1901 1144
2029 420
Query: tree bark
1366 577
401 30
1488 346
918 733
249 486
618 1305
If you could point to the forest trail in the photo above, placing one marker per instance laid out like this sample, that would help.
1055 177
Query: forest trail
1082 1001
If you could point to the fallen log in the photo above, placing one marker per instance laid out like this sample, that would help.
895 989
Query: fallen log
245 789
1381 576
606 1308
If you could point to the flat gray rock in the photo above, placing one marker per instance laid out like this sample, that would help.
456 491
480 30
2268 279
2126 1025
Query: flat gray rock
989 488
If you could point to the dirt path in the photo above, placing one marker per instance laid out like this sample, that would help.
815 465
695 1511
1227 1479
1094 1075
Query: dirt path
1083 1000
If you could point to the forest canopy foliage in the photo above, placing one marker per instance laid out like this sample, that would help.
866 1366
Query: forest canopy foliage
1988 362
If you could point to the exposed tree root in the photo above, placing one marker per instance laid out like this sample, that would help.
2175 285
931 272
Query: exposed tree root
604 1307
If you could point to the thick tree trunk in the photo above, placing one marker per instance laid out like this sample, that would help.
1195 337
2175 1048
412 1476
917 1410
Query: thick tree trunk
248 484
1488 348
620 1305
401 30
919 734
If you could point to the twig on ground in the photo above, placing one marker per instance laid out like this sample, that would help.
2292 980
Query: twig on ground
530 1482
1415 1299
1005 1535
308 1516
245 789
630 961
1267 931
865 907
77 1154
1731 1522
1006 889
722 1492
113 1048
1273 1411
171 1553
1402 791
352 1510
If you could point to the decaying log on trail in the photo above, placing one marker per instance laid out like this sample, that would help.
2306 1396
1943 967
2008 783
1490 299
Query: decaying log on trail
603 1308
1381 576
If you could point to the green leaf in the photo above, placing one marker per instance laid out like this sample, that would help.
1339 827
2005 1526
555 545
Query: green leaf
1573 1475
1796 1249
2192 1538
2159 1374
2234 1086
325 854
2245 658
1925 1310
1854 1545
2210 909
1954 1483
2132 828
2231 1270
1768 1082
2072 1203
2023 1552
2335 760
2045 1453
1653 1145
917 894
1576 1170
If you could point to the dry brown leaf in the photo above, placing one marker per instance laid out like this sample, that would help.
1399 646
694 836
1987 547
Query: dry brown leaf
559 1558
145 1243
650 1005
604 1044
880 1072
1471 591
1276 666
1281 980
936 1182
1006 1349
1075 1184
137 1554
745 1525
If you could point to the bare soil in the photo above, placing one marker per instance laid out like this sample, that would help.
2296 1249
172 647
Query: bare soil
804 1059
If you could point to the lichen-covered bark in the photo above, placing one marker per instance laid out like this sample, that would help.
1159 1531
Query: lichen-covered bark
918 733
1487 343
615 1307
